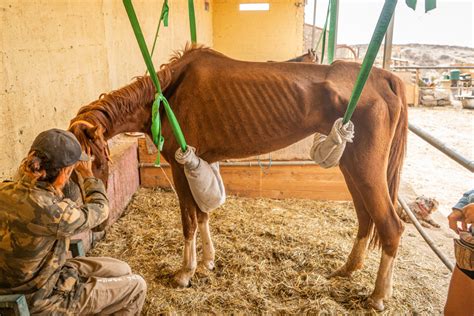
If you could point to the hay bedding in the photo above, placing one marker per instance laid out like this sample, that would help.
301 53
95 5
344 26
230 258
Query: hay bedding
272 256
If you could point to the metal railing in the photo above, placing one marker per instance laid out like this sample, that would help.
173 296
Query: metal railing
451 153
445 149
430 67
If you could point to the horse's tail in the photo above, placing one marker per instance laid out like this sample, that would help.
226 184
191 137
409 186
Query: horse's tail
399 141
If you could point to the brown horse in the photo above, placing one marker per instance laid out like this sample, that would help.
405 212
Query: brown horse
233 109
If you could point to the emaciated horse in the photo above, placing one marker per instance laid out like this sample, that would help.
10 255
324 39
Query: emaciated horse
234 109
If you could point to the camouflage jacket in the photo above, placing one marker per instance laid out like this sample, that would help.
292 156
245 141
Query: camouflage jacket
36 223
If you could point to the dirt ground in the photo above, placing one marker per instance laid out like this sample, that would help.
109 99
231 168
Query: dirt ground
429 171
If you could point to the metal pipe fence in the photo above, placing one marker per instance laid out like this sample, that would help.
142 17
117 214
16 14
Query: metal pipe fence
444 148
425 236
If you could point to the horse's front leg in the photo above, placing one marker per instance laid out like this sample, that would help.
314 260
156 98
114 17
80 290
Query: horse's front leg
189 222
208 252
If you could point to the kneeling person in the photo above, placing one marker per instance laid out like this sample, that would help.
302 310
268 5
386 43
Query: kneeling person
36 223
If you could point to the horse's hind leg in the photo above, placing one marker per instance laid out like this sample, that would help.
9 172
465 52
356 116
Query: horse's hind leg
389 229
358 253
373 188
189 223
208 251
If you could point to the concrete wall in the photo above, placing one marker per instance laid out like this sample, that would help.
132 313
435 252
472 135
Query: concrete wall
307 31
276 34
58 55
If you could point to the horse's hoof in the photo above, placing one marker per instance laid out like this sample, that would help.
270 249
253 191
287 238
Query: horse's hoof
341 272
209 264
183 279
375 303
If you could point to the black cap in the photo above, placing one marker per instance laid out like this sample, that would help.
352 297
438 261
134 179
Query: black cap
60 147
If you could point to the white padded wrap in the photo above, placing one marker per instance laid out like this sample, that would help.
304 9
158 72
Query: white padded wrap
204 179
327 150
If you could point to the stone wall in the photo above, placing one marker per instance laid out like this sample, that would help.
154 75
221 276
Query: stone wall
434 97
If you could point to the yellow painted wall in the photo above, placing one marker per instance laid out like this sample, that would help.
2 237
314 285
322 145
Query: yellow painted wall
58 55
276 34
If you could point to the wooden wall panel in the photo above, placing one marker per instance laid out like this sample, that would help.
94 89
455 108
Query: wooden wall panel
281 182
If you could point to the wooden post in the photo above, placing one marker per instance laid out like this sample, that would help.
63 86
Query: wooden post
417 95
314 24
387 49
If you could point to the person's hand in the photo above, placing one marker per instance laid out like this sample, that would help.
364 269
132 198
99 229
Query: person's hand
455 217
468 212
84 168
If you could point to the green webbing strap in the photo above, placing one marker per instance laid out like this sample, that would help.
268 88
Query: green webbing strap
332 31
163 17
429 4
372 50
156 123
192 21
323 34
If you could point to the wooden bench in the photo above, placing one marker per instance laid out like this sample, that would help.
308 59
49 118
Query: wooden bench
13 305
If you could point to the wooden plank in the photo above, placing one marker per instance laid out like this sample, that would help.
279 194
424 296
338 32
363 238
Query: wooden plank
251 182
280 182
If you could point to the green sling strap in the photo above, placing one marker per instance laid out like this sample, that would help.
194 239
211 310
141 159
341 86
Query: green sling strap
372 50
429 4
323 34
369 58
332 31
156 123
192 21
331 20
163 17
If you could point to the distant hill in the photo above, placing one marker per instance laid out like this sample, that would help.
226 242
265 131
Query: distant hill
428 55
415 54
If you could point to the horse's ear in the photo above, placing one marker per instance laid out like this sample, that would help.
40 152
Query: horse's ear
95 132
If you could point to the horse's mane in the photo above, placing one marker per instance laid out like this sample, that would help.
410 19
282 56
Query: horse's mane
177 55
111 109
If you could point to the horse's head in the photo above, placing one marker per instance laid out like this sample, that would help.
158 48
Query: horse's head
311 56
92 139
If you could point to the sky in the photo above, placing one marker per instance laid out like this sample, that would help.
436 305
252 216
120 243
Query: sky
451 23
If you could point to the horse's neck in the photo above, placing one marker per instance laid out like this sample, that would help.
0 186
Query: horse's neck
127 112
133 122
